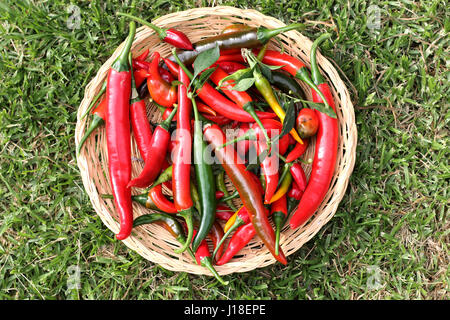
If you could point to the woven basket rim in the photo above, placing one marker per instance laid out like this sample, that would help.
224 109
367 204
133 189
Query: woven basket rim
153 242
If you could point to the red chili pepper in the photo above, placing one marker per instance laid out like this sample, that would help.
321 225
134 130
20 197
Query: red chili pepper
172 66
218 119
171 36
98 119
246 186
239 240
299 176
203 108
160 200
295 192
143 55
161 92
307 123
156 154
140 75
219 194
181 157
269 167
223 212
325 151
118 92
144 66
139 122
298 151
236 57
230 66
216 235
203 258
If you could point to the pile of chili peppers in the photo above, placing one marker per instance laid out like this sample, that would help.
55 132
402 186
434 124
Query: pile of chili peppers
238 87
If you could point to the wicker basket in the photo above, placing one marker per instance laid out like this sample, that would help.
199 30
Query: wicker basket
155 243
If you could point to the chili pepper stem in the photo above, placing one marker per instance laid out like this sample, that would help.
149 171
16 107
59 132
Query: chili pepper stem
220 183
230 197
278 219
206 262
316 76
303 75
122 61
182 66
266 34
166 123
249 135
237 223
187 216
96 122
102 91
161 33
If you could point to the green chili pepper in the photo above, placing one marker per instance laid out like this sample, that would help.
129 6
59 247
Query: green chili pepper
205 182
220 183
168 222
287 84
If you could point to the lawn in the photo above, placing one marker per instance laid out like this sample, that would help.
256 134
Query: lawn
389 238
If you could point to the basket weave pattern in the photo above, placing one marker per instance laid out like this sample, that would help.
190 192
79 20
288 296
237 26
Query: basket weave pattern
155 243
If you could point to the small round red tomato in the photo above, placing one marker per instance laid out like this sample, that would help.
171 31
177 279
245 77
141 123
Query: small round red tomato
307 123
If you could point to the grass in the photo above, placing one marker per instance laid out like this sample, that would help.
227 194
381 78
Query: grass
392 225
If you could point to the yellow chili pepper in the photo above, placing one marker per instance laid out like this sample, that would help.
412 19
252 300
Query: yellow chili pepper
231 221
283 189
264 87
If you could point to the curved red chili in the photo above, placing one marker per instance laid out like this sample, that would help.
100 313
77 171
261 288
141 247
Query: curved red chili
144 66
171 36
325 151
299 176
160 200
295 192
118 91
160 91
216 235
239 240
298 151
156 154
